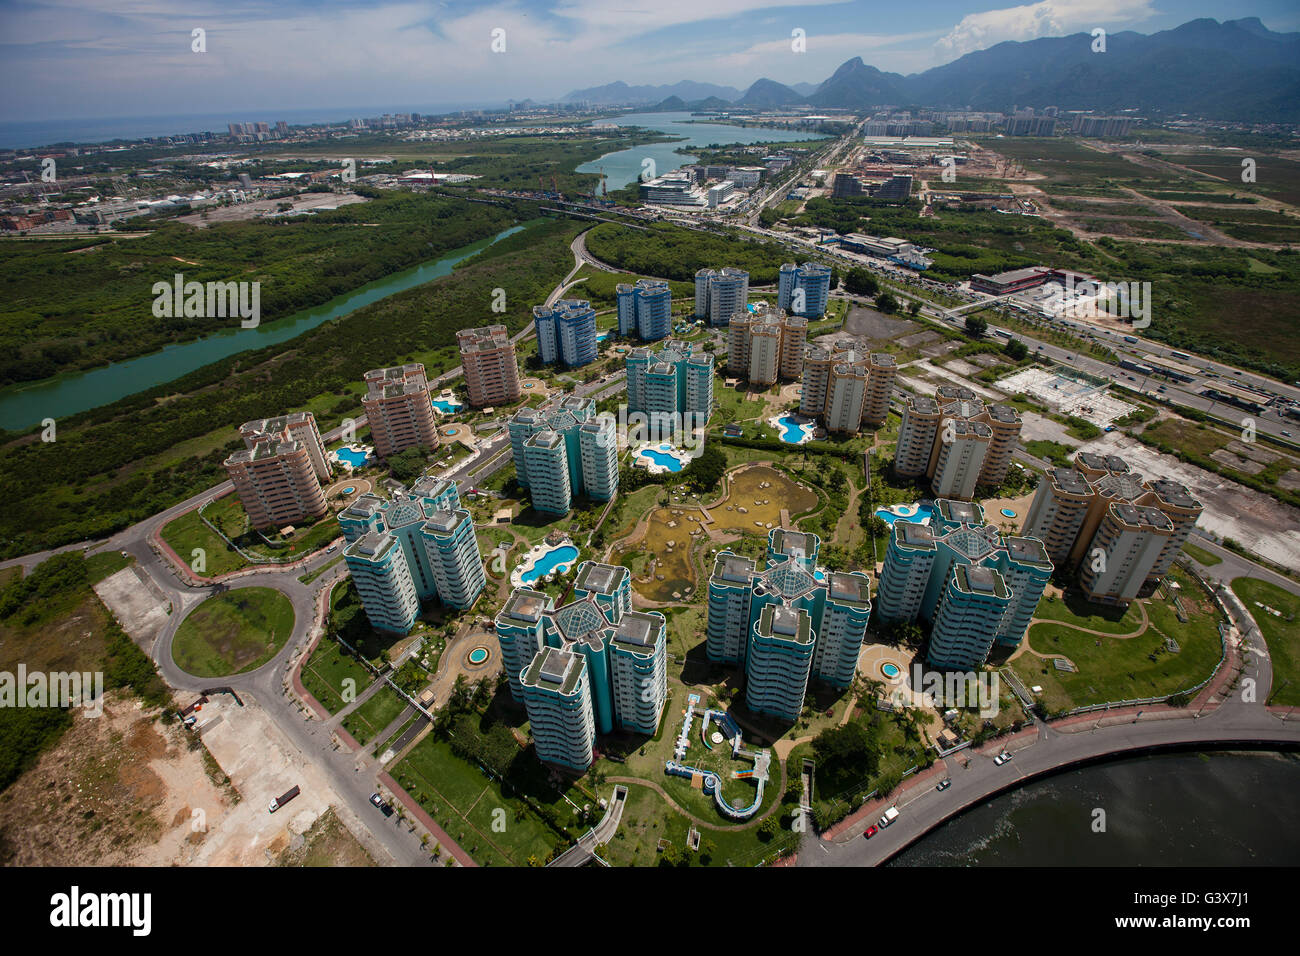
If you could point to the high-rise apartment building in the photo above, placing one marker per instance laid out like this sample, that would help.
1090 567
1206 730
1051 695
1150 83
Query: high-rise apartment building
399 409
920 562
956 441
786 623
623 654
804 290
672 385
277 474
644 309
720 294
566 332
1072 505
438 558
766 345
491 369
562 450
847 388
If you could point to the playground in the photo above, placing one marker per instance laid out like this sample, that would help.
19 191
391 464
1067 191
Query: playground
713 759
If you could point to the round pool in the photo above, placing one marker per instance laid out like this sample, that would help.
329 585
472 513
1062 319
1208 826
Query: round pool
477 656
890 670
1008 513
528 384
450 431
349 489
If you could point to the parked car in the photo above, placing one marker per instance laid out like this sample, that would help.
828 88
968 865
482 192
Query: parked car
1000 759
871 831
385 808
943 784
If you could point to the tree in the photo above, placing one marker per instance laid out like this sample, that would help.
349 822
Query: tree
860 281
976 325
1016 349
915 307
886 303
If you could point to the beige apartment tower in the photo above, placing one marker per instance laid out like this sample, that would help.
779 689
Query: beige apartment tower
846 388
956 441
278 474
399 409
1101 507
766 345
491 369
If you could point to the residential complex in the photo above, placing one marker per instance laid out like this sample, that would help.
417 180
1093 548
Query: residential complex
956 441
645 309
566 332
977 585
786 623
491 369
1122 533
804 290
720 294
399 409
766 345
277 474
847 388
587 667
672 387
563 450
420 545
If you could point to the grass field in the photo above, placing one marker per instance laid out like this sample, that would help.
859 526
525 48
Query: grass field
326 672
1281 633
1203 557
188 532
233 632
374 715
1126 668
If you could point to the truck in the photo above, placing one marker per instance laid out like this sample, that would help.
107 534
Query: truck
284 798
890 816
1131 339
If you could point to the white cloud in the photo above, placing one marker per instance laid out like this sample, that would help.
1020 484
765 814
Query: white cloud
977 31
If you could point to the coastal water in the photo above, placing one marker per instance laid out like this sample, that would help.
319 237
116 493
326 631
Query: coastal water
21 406
1176 809
625 165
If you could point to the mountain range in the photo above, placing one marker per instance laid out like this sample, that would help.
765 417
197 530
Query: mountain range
1235 70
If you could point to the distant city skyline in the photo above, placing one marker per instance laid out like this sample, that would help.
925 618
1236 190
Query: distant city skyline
87 58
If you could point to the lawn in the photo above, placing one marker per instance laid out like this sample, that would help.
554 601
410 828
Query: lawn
383 707
1073 608
1281 633
233 632
326 670
464 803
1118 668
1202 557
188 532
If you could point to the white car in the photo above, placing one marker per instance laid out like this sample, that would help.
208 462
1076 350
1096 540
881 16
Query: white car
1001 758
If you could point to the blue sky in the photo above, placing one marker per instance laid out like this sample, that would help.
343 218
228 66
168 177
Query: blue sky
80 58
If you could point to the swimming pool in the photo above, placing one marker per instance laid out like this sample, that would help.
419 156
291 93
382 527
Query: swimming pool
557 559
446 406
601 336
665 456
349 489
890 670
794 432
478 655
354 458
1008 513
917 514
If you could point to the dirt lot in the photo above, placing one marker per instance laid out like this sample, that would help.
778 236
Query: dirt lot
260 207
117 790
124 790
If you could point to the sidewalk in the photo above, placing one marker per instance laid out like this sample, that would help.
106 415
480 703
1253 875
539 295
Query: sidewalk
436 832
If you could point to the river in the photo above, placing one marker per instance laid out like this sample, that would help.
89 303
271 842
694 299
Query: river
68 394
1174 809
624 167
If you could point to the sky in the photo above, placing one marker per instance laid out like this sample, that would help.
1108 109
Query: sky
121 58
